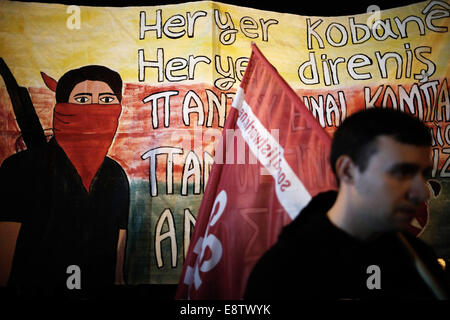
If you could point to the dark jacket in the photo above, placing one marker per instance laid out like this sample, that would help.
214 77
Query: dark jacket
315 259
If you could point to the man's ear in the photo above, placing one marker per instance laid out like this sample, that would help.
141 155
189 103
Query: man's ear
345 169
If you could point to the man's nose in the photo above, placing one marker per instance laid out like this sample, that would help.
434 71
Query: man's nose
419 191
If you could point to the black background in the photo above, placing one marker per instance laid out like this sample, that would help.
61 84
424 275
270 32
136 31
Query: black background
300 7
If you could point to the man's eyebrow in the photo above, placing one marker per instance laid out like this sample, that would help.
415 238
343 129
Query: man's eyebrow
405 166
83 94
410 168
108 93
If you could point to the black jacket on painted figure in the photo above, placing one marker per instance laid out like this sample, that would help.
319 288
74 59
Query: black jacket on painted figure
62 224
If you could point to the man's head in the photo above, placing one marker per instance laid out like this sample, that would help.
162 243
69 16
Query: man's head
357 135
381 158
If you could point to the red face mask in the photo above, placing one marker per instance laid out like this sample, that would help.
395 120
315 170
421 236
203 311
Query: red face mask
85 132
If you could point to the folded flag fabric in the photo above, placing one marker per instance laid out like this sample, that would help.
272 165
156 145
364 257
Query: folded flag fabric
272 159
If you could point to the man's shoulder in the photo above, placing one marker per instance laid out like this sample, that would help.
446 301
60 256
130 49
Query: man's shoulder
299 247
309 239
290 263
314 212
311 224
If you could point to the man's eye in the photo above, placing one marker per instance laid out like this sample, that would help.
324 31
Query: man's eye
403 172
82 99
107 99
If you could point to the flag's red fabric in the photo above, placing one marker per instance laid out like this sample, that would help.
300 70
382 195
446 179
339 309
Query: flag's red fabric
272 159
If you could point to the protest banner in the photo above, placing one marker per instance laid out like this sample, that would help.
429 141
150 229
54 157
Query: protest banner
181 66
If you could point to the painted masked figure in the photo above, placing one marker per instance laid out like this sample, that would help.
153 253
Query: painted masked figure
70 199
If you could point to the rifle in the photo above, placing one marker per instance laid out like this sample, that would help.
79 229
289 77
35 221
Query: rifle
26 117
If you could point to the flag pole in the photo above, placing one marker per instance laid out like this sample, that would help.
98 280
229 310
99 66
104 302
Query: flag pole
423 270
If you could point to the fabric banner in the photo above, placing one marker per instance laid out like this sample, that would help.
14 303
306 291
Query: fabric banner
181 66
278 140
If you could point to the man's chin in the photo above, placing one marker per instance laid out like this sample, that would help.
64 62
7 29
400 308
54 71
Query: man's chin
403 220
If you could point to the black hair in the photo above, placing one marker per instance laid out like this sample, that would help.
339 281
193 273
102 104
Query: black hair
356 136
92 72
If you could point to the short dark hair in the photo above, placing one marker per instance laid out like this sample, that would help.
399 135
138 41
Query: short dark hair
92 72
356 136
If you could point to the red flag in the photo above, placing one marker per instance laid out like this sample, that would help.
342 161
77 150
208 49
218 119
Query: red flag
273 158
